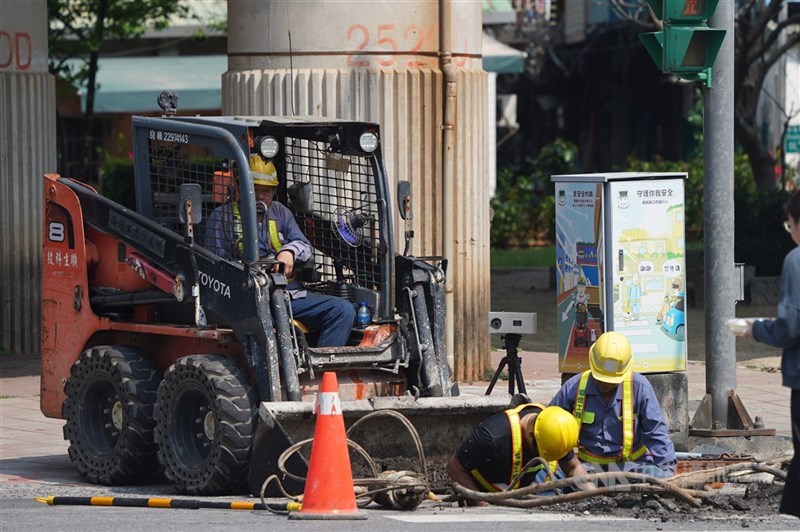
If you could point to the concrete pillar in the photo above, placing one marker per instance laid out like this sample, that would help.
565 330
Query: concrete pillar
672 390
379 62
27 150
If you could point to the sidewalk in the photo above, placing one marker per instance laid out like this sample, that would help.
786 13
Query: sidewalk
758 384
32 448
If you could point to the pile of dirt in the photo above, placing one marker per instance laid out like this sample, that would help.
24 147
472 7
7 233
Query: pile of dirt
759 500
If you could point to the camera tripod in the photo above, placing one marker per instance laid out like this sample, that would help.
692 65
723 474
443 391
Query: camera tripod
510 344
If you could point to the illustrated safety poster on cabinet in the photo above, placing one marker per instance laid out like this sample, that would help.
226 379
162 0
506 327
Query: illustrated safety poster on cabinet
620 265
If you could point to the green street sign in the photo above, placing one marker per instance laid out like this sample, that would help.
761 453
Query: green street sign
792 143
686 47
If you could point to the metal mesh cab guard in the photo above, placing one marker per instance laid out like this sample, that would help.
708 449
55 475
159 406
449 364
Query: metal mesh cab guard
345 215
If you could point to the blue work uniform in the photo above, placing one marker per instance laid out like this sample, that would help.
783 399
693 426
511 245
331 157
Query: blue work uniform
601 432
784 331
332 316
224 231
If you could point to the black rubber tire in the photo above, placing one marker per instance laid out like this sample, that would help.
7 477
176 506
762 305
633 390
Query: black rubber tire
205 421
111 393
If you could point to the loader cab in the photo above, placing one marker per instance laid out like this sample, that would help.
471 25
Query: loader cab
331 177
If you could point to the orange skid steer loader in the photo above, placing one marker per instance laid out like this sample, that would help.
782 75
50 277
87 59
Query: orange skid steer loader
157 350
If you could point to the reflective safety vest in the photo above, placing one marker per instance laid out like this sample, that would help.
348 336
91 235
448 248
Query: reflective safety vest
516 453
625 454
274 235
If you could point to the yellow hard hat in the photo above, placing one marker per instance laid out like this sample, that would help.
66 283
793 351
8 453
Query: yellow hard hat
610 358
263 172
556 433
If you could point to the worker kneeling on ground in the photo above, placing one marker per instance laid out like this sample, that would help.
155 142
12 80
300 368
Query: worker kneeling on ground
621 423
501 445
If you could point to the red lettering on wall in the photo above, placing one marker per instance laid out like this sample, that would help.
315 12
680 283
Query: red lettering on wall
362 45
16 51
6 49
27 50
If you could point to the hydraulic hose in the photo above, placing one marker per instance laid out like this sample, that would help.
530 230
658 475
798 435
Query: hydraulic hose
614 482
402 490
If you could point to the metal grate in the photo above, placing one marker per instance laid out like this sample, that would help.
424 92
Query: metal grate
343 187
172 165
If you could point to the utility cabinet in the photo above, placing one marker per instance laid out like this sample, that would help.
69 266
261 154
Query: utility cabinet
620 261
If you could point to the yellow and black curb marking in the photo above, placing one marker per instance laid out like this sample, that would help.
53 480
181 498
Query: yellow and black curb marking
190 504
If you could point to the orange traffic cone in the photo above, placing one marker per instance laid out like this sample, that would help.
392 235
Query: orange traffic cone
329 490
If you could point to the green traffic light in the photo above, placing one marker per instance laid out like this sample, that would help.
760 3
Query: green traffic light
691 49
686 47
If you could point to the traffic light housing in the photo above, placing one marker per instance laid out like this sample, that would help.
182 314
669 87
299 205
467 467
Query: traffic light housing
686 47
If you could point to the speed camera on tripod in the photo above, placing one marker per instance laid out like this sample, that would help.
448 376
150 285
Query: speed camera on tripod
512 322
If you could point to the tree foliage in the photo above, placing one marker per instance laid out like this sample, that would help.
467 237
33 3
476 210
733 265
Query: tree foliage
78 28
762 38
524 202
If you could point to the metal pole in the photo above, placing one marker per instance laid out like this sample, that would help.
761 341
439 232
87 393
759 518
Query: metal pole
718 222
450 73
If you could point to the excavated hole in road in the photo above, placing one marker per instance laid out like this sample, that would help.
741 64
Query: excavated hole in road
758 501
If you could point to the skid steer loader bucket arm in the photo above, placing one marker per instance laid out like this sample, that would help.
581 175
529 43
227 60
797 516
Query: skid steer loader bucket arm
227 288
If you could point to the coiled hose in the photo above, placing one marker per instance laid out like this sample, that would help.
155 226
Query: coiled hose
402 490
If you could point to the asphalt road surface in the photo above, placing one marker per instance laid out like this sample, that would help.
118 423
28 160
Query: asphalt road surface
25 514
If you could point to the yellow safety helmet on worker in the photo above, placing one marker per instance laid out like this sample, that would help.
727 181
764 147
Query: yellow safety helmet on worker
610 358
556 433
263 172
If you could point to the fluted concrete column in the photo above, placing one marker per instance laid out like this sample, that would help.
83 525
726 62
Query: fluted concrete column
27 151
380 62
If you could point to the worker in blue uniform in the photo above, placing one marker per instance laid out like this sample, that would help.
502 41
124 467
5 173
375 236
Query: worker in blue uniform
280 238
622 426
